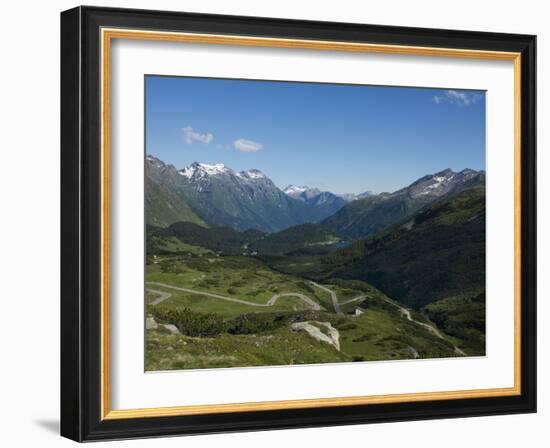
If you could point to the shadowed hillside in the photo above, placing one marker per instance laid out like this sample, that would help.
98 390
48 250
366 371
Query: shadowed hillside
437 253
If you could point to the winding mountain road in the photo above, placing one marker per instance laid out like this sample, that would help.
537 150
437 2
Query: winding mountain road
355 299
313 304
333 297
162 296
404 312
272 301
335 302
407 314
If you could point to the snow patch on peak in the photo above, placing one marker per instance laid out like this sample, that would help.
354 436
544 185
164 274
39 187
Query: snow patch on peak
445 173
203 169
251 174
188 171
440 179
157 162
442 182
213 169
294 189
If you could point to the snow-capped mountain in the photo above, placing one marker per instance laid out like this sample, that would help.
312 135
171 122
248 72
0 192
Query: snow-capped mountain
306 193
370 214
365 194
302 193
295 190
314 197
241 200
219 196
441 183
197 171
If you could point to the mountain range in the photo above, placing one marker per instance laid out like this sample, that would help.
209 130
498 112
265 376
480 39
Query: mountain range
326 201
373 213
434 253
438 251
422 246
220 196
217 196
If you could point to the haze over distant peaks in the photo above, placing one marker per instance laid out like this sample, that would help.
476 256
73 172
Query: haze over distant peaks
326 201
306 193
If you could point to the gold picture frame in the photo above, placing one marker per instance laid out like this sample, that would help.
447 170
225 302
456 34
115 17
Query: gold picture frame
106 34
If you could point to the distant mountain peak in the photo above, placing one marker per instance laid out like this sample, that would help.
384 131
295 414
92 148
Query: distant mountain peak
155 160
240 200
213 169
471 173
445 173
306 193
314 197
449 173
199 170
295 189
252 174
365 194
442 182
360 219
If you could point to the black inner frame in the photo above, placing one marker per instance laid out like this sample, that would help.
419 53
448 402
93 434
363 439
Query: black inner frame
80 224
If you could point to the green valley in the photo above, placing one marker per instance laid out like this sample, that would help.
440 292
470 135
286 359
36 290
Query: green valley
219 307
385 277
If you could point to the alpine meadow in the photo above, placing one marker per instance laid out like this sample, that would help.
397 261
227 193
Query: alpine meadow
302 223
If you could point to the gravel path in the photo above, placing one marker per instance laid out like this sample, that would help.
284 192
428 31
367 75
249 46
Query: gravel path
407 314
333 296
161 296
335 303
314 305
355 299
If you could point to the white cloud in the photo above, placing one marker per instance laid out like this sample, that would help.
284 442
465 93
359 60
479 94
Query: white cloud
190 135
244 145
457 97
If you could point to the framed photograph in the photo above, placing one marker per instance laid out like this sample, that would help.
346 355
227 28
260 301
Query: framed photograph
277 224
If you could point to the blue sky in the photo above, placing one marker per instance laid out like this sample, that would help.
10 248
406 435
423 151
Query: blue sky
340 138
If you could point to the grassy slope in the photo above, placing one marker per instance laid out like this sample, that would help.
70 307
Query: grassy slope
219 239
282 347
163 208
302 237
446 237
463 317
379 333
242 277
437 253
369 215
